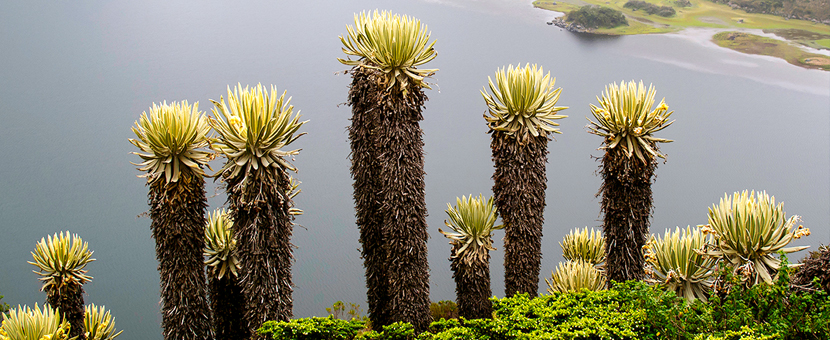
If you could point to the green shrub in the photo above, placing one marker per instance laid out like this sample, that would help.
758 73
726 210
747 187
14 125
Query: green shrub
444 309
630 310
3 306
596 17
396 331
663 11
312 328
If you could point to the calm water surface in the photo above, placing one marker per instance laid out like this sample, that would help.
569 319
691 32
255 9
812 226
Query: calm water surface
76 76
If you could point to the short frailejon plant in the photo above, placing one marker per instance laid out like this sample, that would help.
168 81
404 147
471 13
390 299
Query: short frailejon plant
626 121
226 299
748 230
574 276
672 261
255 129
386 96
521 117
584 245
61 260
24 323
472 222
172 141
99 323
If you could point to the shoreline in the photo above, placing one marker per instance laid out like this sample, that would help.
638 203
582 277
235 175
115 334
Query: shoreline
702 21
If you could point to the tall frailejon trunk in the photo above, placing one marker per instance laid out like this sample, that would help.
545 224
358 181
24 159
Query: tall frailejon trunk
69 301
401 174
263 227
228 305
178 213
364 99
472 287
519 187
626 203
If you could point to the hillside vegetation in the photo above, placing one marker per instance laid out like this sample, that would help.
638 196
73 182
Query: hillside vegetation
813 10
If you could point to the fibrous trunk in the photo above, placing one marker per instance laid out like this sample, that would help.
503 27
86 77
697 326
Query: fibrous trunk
69 301
396 151
472 287
263 227
519 187
401 160
626 203
364 98
228 305
178 213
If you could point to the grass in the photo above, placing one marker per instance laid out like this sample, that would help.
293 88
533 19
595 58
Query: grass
754 44
707 14
701 14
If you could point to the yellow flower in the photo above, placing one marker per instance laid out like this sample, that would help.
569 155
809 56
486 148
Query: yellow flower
663 107
638 130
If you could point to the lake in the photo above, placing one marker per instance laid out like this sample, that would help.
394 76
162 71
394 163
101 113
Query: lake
76 75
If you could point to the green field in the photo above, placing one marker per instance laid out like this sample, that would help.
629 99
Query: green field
701 14
704 13
754 44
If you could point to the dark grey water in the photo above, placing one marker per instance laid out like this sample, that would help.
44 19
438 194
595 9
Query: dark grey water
76 75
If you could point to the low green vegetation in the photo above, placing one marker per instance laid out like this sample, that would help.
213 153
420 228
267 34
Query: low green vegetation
597 17
706 14
663 11
754 44
792 9
631 310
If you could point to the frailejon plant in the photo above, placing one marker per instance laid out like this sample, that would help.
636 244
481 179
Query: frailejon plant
672 261
574 276
386 96
626 121
61 260
749 229
24 323
99 323
224 289
584 245
472 222
255 130
522 112
173 141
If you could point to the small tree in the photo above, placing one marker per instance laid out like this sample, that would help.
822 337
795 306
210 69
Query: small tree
627 123
61 260
226 299
472 221
172 139
255 129
388 162
522 117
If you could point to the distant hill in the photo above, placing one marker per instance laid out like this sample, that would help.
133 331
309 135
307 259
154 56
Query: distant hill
813 10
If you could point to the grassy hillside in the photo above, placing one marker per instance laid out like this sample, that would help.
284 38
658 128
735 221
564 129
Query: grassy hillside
704 13
700 13
818 10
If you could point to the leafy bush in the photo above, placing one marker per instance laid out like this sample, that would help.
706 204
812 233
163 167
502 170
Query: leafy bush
630 310
663 11
3 306
596 17
312 328
395 331
443 309
816 266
